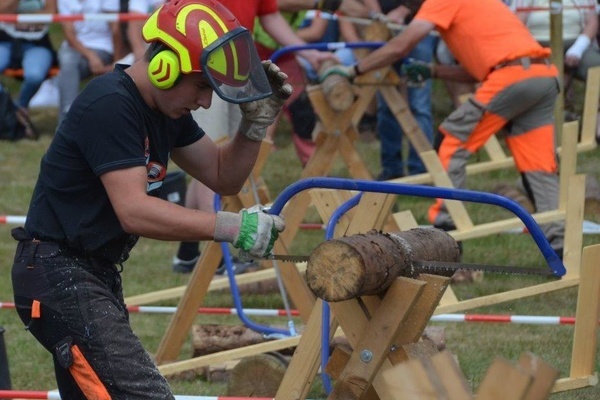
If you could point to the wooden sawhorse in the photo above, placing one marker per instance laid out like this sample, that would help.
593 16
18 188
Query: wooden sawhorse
201 277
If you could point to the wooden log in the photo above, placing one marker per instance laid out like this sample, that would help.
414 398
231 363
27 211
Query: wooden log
367 264
257 376
209 339
338 91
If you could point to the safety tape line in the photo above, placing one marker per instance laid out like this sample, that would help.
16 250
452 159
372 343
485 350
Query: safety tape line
500 318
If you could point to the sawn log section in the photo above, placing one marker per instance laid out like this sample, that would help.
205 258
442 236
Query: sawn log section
367 264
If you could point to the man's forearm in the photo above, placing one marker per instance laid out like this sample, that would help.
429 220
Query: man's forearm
295 5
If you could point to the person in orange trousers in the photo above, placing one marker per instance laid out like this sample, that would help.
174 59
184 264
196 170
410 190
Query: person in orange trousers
517 90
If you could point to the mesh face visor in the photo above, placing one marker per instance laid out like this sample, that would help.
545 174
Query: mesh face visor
233 68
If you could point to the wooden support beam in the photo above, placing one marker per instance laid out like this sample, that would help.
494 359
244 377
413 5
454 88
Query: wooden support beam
590 107
583 360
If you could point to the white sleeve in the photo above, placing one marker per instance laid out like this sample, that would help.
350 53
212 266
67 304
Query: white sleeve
110 6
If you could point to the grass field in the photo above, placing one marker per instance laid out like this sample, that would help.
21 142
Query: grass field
149 269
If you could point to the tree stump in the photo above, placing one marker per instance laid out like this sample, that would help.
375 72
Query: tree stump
338 91
367 264
257 376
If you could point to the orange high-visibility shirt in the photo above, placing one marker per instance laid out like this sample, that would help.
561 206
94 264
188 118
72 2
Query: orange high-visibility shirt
480 33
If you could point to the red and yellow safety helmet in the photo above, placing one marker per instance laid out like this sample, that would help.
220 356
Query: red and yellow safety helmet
204 36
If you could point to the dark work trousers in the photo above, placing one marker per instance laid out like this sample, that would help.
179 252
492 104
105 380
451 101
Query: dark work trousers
74 307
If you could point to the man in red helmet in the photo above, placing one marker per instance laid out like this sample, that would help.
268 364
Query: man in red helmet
99 182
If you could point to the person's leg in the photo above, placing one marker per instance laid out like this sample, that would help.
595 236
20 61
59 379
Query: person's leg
390 137
419 100
36 63
68 78
74 307
5 51
531 142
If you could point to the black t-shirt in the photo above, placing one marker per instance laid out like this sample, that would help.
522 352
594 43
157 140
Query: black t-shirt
108 127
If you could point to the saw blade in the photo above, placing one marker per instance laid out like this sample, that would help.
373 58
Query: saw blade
421 266
440 267
287 258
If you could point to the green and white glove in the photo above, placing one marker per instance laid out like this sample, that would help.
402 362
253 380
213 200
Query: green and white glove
417 71
258 115
347 71
252 230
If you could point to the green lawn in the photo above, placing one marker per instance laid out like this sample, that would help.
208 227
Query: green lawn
149 269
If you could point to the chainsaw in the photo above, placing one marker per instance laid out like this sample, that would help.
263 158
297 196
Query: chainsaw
445 268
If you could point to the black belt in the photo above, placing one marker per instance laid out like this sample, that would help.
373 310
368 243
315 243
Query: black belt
524 61
27 251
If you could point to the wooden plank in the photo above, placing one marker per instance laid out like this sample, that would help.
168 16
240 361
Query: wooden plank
573 241
450 376
568 160
376 337
494 149
409 381
457 210
503 297
481 167
217 283
419 315
356 166
490 228
305 362
295 284
586 318
544 376
328 200
181 322
220 357
504 381
372 212
565 384
590 107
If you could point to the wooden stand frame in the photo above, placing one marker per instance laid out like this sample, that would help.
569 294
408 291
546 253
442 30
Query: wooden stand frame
374 351
204 271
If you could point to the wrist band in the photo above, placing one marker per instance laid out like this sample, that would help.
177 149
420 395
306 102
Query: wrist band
356 70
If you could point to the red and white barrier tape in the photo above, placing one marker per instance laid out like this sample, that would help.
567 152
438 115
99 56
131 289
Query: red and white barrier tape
124 17
202 310
49 18
501 318
53 395
12 219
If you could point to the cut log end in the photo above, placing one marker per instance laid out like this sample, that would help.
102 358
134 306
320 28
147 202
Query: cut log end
367 264
336 270
257 376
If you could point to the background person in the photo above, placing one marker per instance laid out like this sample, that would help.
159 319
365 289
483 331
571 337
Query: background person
518 90
27 46
88 48
222 116
99 185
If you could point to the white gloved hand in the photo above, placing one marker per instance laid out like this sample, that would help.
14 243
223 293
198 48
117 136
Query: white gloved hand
252 230
258 115
575 52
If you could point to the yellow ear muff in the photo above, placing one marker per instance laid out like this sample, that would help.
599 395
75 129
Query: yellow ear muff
164 69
